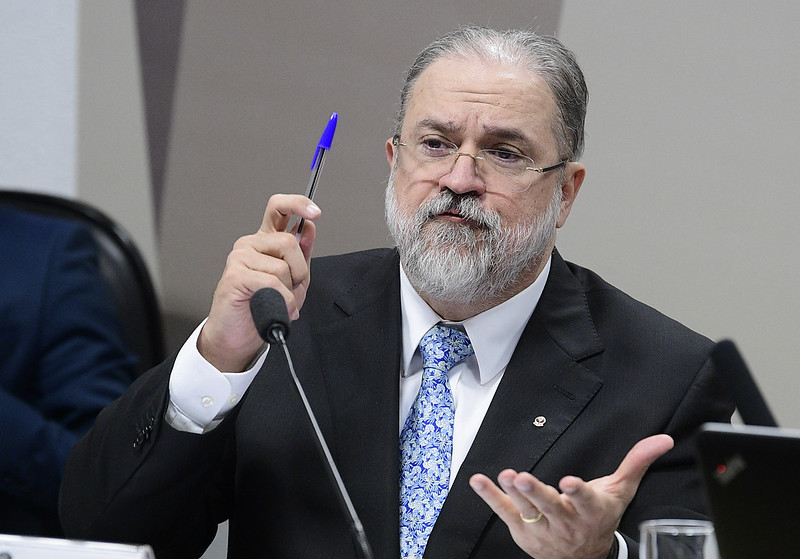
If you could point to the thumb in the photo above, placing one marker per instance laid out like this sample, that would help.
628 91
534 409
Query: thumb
633 467
623 483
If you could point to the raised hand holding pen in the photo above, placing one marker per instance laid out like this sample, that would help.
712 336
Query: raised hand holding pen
271 257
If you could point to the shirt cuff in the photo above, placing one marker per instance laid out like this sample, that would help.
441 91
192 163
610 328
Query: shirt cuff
200 395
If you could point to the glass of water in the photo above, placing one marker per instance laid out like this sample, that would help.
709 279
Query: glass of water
677 539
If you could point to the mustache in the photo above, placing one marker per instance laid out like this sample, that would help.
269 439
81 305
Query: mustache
464 205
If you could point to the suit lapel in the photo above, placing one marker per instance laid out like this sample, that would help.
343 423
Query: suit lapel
360 358
543 380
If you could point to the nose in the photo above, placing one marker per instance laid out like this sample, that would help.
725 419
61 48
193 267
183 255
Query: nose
463 176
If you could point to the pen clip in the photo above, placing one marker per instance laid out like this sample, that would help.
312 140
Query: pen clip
326 139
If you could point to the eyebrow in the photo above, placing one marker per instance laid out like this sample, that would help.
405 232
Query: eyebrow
439 126
496 132
511 134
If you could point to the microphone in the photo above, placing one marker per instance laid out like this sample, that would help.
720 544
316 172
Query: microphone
272 323
745 393
270 315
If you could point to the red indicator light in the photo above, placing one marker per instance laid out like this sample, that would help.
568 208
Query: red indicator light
721 469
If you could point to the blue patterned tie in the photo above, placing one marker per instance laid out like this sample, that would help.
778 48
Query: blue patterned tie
426 443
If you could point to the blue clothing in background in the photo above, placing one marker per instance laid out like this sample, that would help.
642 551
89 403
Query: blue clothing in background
62 359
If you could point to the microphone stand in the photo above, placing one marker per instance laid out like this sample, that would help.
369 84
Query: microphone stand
355 523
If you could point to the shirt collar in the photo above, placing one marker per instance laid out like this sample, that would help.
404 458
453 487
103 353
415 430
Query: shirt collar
494 333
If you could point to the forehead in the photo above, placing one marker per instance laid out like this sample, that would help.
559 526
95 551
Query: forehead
475 97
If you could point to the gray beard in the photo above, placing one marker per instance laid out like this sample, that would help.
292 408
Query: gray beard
467 263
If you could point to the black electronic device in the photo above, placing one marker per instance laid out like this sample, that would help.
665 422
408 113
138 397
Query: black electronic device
751 482
752 486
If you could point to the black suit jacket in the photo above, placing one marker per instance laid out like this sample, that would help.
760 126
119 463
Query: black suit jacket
603 369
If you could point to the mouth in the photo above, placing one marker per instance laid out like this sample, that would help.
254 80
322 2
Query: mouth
457 217
457 211
452 215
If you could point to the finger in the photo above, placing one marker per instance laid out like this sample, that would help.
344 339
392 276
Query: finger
281 208
583 499
275 273
500 503
520 494
532 496
253 280
276 254
524 491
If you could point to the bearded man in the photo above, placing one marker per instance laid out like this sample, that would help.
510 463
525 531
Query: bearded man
472 352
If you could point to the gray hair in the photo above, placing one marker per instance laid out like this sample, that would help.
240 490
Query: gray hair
543 55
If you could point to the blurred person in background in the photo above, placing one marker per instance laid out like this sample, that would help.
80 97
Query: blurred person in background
62 359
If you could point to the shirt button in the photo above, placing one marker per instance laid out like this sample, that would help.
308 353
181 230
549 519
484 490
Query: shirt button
234 398
207 401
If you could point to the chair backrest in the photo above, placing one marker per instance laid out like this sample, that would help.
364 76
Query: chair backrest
122 268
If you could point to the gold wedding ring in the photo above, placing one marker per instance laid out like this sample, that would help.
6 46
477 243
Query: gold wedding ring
533 520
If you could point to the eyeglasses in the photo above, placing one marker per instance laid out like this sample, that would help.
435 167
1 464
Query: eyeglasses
514 170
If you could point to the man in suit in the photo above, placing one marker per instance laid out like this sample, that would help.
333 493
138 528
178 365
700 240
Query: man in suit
560 378
62 359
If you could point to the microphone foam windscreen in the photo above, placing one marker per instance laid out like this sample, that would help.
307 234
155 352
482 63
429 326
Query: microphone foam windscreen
269 314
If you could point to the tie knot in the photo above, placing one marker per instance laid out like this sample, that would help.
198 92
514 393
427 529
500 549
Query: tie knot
442 347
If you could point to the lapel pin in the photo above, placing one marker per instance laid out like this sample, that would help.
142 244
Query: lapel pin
540 421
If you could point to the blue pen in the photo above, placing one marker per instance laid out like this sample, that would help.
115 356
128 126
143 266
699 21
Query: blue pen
316 165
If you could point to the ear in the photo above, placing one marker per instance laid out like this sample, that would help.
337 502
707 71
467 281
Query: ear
573 179
390 152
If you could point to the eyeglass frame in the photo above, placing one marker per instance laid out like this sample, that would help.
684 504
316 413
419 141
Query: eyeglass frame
475 157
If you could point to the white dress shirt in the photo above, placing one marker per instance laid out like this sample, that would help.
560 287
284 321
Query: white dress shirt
494 335
200 396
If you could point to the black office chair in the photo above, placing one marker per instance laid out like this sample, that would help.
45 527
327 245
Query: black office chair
121 265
